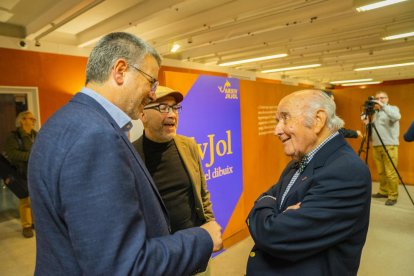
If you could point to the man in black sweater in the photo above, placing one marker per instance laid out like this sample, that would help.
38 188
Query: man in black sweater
174 163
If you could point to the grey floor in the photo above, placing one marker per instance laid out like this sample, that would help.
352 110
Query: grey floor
389 249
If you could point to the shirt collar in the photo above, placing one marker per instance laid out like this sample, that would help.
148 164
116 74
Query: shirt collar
119 116
312 153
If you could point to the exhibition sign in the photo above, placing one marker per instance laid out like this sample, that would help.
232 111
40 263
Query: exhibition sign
211 114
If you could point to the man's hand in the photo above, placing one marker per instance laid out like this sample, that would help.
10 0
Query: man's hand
293 207
214 229
364 118
359 133
378 104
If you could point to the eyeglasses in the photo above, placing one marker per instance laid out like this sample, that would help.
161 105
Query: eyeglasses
33 119
152 81
165 108
380 98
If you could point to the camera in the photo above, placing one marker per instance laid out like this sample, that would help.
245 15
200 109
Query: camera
369 106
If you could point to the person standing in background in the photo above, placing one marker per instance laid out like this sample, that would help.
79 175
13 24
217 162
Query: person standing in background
347 133
409 135
18 146
387 122
174 163
97 209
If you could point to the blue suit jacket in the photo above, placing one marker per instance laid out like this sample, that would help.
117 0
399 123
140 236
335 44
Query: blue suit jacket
96 208
326 234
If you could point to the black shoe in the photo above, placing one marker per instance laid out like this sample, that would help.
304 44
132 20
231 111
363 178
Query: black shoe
378 195
390 202
27 232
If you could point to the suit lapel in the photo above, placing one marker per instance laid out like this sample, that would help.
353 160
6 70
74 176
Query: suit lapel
300 182
85 99
285 179
317 161
185 153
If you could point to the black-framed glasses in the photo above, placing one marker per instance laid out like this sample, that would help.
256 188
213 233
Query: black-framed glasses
165 108
152 81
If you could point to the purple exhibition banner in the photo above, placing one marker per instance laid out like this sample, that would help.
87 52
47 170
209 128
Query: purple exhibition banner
211 114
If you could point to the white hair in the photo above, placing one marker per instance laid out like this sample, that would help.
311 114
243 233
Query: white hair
20 117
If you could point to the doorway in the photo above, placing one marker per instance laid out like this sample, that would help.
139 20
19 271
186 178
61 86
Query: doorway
14 100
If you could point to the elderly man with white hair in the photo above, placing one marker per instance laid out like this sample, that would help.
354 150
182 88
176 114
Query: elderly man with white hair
314 221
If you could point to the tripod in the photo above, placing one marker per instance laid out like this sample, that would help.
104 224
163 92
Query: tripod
367 138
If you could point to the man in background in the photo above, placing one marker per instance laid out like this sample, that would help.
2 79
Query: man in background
97 209
314 221
174 163
347 133
18 146
387 122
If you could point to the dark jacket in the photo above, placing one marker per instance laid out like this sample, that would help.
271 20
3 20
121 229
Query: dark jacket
325 236
18 147
409 135
348 133
97 209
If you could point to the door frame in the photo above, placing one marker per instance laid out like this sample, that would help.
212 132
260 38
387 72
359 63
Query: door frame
32 95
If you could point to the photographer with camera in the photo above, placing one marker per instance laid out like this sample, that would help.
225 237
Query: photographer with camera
387 123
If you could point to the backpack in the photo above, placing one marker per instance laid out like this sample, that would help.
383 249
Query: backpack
13 179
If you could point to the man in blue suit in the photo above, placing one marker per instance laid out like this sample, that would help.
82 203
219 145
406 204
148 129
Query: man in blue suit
314 221
96 207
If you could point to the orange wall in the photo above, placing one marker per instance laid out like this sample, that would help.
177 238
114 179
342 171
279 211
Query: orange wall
57 77
263 157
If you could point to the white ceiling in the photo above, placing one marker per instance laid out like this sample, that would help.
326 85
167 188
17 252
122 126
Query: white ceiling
329 32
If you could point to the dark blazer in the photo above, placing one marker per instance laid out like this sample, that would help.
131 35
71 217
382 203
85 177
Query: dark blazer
96 208
188 150
409 135
326 234
348 133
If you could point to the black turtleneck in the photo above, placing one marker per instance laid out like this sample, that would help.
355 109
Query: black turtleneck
167 169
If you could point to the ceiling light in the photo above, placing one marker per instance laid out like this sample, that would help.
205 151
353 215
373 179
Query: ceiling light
391 37
291 68
361 83
175 47
252 60
384 66
364 6
349 81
